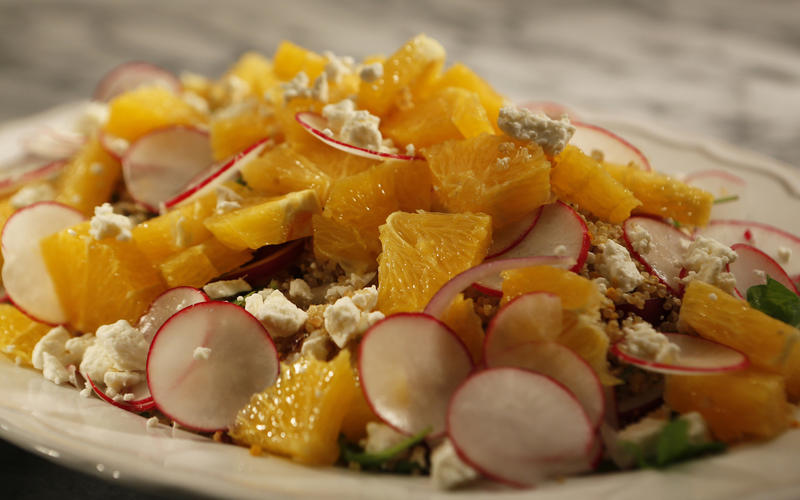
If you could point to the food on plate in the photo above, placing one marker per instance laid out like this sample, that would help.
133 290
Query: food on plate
387 266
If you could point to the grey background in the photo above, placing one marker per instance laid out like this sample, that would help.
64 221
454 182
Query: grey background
722 69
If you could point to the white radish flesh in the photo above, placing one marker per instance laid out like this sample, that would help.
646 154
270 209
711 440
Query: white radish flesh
409 366
25 275
12 178
206 394
665 256
532 317
752 266
615 149
52 144
519 427
142 400
508 236
131 75
167 304
724 186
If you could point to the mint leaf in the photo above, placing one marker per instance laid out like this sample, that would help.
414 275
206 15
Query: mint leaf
386 460
673 445
775 300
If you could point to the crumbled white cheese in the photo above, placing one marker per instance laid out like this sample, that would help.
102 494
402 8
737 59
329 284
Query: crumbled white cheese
87 390
152 423
53 344
107 224
197 102
784 254
227 200
319 89
640 238
300 291
560 251
296 87
349 317
525 125
706 260
128 396
315 346
712 296
335 292
53 370
226 288
411 150
94 116
448 471
277 313
371 72
336 67
117 381
126 345
201 353
366 299
381 437
643 341
31 194
358 128
236 88
615 264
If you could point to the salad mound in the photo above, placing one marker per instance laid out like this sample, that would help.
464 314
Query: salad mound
388 266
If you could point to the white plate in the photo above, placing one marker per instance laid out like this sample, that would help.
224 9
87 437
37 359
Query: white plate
92 436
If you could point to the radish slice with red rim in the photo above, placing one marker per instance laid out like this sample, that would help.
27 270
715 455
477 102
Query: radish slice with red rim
206 394
114 146
316 124
615 149
409 365
160 164
142 400
558 230
217 174
167 304
442 299
25 275
752 266
519 427
697 356
783 247
131 75
562 364
726 188
532 317
664 258
510 235
52 144
266 262
13 178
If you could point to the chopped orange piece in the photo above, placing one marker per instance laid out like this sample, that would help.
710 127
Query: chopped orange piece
459 75
19 334
290 59
232 132
89 179
134 113
283 170
359 414
577 293
461 317
584 334
201 263
422 251
255 70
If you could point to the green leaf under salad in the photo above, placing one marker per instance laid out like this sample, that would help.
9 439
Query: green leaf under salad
388 460
775 300
673 446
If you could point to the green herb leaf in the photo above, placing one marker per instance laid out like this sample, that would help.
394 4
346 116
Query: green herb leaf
775 300
726 199
386 460
673 444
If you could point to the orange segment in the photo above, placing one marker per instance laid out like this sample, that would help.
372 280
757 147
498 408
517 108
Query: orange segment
459 75
422 251
333 162
283 170
489 174
450 113
139 111
234 130
584 334
664 196
769 344
290 59
576 292
359 414
739 405
19 334
255 70
89 179
201 263
580 179
301 415
461 317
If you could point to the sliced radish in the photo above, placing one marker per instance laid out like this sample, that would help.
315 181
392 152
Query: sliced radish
697 356
409 366
559 230
206 394
442 299
131 75
167 304
159 165
142 400
510 235
532 317
266 262
25 275
752 266
316 124
665 257
615 149
562 364
115 146
551 109
215 175
724 186
777 243
519 427
13 178
52 144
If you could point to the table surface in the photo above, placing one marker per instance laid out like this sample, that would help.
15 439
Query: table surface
721 69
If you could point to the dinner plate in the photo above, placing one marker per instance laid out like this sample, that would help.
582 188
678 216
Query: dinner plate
92 436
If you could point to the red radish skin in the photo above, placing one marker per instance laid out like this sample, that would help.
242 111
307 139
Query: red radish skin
532 317
25 275
460 282
315 124
769 239
160 164
697 356
131 75
615 149
665 258
409 365
508 236
143 402
562 364
205 395
217 174
752 266
519 427
167 304
267 262
11 179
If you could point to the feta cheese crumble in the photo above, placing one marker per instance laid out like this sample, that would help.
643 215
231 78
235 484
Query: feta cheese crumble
298 87
448 471
706 260
615 264
525 125
640 238
381 437
358 128
226 288
107 224
31 194
278 314
349 317
315 346
371 72
201 353
300 291
643 341
117 357
94 116
784 254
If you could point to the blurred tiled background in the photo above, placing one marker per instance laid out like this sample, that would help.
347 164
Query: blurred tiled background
723 69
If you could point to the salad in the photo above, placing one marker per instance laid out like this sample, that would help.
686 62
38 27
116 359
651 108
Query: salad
385 265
